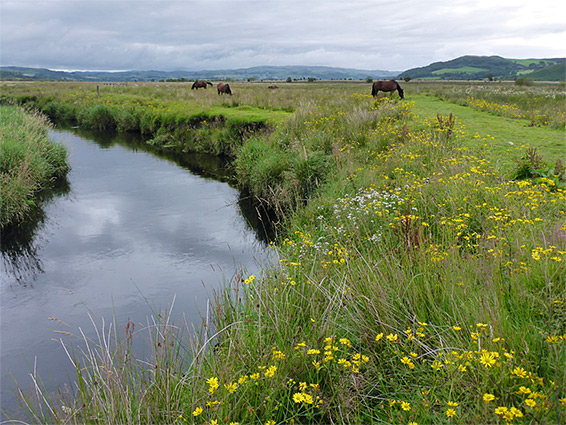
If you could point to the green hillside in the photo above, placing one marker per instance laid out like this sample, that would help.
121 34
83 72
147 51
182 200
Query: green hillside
490 67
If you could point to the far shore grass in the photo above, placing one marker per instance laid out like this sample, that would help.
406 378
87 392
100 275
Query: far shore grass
422 259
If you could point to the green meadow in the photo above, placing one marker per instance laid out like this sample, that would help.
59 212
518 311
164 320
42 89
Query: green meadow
421 247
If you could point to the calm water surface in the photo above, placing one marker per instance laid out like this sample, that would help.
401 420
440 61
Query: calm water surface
130 233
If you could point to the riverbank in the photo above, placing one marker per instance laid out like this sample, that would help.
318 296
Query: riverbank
29 162
421 279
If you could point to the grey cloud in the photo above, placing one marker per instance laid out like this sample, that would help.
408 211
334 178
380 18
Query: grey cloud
171 34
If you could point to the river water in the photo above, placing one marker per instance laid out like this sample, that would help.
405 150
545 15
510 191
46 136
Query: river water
129 234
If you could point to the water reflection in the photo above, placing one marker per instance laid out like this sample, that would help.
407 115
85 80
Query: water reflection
129 231
20 244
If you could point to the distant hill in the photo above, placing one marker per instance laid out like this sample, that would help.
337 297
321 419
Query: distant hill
255 73
495 67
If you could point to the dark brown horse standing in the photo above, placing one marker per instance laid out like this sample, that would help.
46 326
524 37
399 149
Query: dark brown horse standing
387 86
224 88
200 84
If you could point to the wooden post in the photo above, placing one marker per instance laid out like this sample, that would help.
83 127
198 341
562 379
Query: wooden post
98 90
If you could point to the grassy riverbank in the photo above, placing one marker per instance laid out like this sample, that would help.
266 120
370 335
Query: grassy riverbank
29 162
421 278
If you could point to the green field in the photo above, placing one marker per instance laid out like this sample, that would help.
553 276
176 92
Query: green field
422 252
463 69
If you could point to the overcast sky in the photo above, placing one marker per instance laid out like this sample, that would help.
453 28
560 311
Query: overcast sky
218 34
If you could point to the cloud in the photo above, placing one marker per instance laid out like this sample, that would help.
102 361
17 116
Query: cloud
214 34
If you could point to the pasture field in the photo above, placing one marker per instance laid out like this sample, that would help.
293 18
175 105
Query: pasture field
421 275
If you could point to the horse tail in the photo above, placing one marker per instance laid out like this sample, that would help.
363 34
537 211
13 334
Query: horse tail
400 90
373 90
209 83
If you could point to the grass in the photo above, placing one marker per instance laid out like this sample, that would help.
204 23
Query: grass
420 278
29 162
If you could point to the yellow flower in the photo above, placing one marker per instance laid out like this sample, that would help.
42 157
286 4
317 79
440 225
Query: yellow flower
487 359
520 372
197 411
231 387
270 423
457 328
406 406
487 397
392 337
270 372
524 390
530 402
378 336
345 341
450 413
452 404
500 410
213 384
214 422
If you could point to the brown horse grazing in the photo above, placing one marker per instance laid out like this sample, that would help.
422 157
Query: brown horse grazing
273 87
224 88
389 86
200 84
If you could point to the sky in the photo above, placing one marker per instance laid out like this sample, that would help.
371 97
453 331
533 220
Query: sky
166 35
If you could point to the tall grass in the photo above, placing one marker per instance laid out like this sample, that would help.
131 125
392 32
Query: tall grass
29 162
417 283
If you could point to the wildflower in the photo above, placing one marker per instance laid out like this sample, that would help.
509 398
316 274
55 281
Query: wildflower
214 422
524 390
254 376
436 365
450 413
378 336
231 387
406 406
270 422
457 328
516 412
407 361
345 341
487 397
452 404
313 351
500 410
530 402
197 411
392 337
249 279
213 384
277 355
487 359
520 372
270 372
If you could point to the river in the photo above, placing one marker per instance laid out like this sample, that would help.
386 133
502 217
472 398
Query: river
129 234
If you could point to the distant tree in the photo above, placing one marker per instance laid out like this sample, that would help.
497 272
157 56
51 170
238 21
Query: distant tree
251 79
311 80
369 80
407 78
289 79
490 77
524 81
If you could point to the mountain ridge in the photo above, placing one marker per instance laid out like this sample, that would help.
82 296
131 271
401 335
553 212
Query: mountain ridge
463 68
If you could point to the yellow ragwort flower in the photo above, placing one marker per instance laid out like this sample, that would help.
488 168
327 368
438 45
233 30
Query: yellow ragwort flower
487 397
